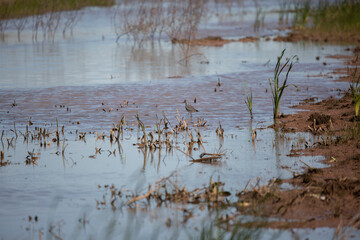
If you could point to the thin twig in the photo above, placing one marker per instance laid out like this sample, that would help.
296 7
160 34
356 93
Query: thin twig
306 164
182 151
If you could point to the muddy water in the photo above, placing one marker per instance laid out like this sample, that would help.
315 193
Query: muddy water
98 82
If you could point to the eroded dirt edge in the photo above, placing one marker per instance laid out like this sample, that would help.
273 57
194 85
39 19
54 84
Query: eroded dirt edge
327 197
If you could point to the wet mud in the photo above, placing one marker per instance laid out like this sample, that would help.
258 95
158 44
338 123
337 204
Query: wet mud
322 197
328 196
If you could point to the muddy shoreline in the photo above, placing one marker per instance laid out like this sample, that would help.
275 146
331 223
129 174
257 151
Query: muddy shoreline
326 197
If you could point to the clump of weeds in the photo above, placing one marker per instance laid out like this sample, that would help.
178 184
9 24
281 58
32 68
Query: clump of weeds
200 122
220 131
250 199
32 158
181 126
165 190
2 161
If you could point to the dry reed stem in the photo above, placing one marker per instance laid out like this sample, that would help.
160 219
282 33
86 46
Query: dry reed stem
153 188
177 148
206 159
306 164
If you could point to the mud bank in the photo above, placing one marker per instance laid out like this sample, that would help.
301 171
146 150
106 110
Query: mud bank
327 197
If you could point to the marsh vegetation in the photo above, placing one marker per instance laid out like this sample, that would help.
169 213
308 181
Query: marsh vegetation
338 17
96 142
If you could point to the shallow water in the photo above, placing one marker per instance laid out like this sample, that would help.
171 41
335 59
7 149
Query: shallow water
59 188
236 65
92 76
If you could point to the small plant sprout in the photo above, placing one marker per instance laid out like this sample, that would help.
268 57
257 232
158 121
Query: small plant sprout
248 101
355 91
277 88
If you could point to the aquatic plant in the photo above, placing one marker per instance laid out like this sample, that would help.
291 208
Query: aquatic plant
355 91
248 101
220 131
277 88
259 18
352 132
146 21
342 14
141 124
302 12
285 7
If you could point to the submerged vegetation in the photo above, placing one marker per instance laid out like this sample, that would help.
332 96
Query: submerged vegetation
147 21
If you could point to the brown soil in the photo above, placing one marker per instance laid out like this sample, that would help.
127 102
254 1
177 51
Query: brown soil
328 197
316 36
212 41
351 61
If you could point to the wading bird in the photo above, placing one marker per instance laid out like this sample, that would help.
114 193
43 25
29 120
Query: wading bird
189 108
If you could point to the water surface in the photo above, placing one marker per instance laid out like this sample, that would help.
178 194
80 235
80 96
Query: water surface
87 82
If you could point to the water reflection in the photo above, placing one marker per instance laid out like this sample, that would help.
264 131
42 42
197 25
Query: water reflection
94 61
277 143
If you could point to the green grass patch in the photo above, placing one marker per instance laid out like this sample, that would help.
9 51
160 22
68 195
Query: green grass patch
342 15
278 87
340 18
23 8
248 101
